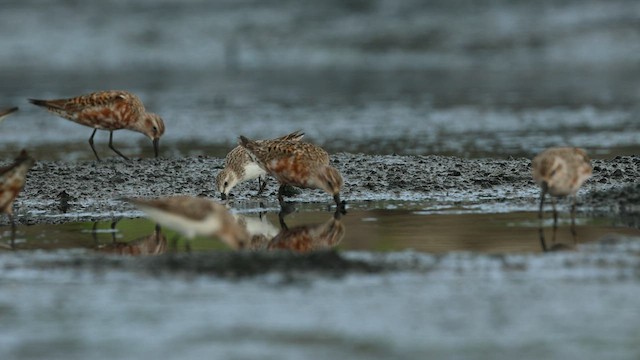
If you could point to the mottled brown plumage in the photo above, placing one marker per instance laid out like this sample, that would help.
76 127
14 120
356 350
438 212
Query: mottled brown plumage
108 110
12 180
239 167
295 163
193 216
560 171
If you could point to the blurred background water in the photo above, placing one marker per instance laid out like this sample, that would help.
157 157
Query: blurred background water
468 78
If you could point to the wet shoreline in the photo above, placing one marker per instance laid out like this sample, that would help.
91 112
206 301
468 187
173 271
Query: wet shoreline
58 192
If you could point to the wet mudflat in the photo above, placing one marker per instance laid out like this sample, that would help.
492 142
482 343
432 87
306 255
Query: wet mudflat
428 276
434 247
431 111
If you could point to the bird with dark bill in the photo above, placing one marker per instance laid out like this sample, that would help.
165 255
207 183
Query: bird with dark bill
108 110
239 167
297 164
6 112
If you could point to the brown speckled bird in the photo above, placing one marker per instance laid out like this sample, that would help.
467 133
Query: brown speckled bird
560 171
6 112
298 164
239 167
192 216
12 179
108 110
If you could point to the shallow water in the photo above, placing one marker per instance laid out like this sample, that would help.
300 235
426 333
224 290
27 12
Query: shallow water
370 230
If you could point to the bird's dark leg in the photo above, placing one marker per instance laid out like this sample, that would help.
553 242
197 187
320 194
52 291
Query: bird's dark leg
574 233
262 184
91 144
555 218
13 232
113 230
262 212
113 148
284 207
281 216
94 233
174 242
541 217
281 194
158 233
340 205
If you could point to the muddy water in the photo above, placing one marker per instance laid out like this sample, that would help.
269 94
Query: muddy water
374 230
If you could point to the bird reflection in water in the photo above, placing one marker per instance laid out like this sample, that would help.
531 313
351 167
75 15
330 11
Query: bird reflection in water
307 238
193 216
556 247
153 244
259 230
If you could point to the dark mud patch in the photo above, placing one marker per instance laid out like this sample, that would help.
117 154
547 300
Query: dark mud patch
58 192
232 265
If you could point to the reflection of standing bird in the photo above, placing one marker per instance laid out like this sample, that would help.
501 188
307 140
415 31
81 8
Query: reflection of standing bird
192 216
560 172
240 167
12 179
309 237
296 163
6 112
108 110
150 245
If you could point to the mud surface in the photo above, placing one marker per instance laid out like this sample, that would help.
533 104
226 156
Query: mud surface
58 192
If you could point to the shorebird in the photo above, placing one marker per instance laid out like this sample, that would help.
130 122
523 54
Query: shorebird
239 167
192 216
296 163
12 179
560 172
6 112
108 110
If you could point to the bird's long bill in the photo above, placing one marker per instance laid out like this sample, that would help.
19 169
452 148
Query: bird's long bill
156 145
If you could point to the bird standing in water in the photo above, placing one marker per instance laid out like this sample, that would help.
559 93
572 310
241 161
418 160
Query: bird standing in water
560 172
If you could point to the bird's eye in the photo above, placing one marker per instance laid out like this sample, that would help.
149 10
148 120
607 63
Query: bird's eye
225 184
330 184
155 129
